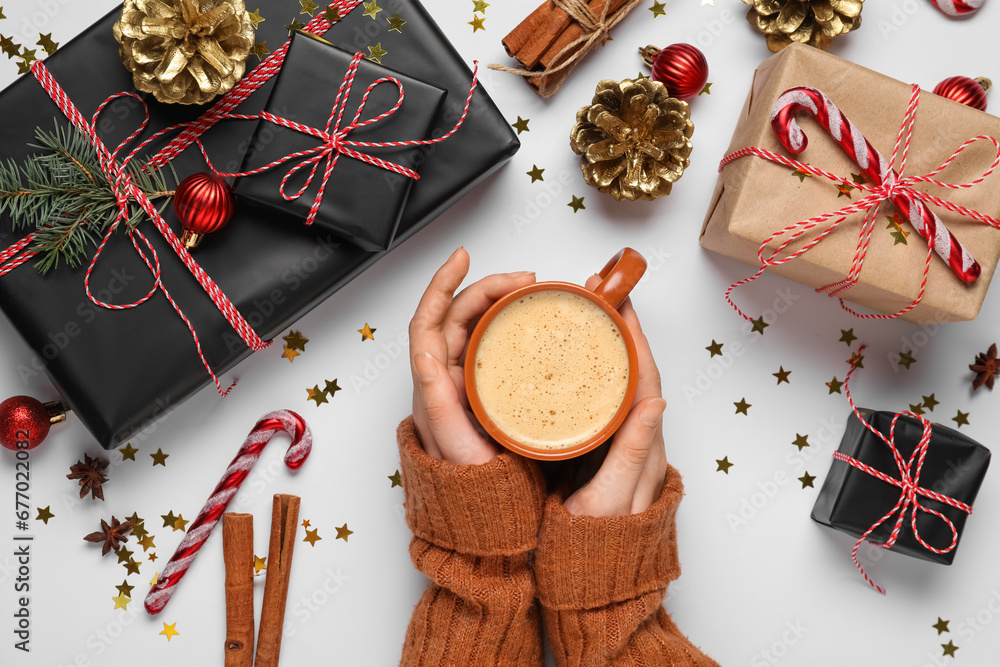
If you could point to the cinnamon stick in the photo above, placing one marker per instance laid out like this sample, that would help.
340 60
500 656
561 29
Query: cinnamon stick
519 36
237 550
575 31
284 520
548 29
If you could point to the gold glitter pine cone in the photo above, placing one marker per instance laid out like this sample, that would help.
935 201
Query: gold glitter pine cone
185 51
634 139
812 22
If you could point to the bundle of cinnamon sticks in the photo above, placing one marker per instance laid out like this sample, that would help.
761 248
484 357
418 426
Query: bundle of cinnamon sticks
552 39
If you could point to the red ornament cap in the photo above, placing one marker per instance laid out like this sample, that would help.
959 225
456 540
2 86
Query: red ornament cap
962 89
682 68
25 421
204 203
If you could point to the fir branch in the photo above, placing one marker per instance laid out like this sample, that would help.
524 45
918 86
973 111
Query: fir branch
62 194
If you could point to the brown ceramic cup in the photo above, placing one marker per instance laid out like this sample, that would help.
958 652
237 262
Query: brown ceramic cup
619 276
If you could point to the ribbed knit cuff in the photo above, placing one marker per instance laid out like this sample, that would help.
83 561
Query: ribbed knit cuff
585 562
489 509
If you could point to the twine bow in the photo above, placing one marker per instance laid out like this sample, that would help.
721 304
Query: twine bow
908 483
886 184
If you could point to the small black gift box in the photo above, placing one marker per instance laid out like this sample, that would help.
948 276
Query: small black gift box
853 500
359 203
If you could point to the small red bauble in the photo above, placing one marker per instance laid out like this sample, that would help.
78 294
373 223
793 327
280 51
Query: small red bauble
962 89
682 68
204 203
25 421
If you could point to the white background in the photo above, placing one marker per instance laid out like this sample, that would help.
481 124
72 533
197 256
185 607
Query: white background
742 588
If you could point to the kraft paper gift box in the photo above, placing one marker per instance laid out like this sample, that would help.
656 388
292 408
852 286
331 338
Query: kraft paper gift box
755 197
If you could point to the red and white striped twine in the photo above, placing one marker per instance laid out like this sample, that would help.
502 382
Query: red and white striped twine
908 483
200 529
885 183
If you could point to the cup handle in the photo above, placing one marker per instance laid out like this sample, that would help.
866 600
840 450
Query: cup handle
620 275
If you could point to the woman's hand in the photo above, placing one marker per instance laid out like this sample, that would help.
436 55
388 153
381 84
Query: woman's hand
631 477
439 332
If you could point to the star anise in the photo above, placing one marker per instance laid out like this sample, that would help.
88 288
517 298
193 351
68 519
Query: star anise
90 472
112 535
986 368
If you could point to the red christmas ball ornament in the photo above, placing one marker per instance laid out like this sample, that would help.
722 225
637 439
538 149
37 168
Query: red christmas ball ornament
962 89
682 68
25 421
204 203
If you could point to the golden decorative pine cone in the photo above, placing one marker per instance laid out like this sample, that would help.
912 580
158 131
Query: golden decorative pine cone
812 22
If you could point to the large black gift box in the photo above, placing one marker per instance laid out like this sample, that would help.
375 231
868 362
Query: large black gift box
121 370
360 203
851 500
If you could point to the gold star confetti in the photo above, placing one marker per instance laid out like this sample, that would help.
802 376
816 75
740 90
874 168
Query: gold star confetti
312 537
23 67
371 9
607 38
396 23
169 519
332 388
28 55
140 530
807 480
844 190
521 125
376 53
290 354
930 402
132 567
715 349
124 555
857 360
641 76
152 556
657 9
169 630
847 336
125 589
318 395
535 173
724 465
306 523
898 234
477 23
343 533
949 648
708 2
44 514
180 522
293 26
576 204
396 479
256 18
8 46
260 50
128 452
121 601
147 543
332 14
156 578
782 375
479 6
801 441
742 407
906 359
259 564
159 458
367 333
295 340
834 385
917 408
759 325
135 519
45 41
308 7
707 90
941 625
1 13
962 419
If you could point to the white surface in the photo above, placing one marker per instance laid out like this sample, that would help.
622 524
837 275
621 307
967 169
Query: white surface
742 590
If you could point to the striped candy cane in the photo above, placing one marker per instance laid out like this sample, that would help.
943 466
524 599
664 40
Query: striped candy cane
957 8
201 528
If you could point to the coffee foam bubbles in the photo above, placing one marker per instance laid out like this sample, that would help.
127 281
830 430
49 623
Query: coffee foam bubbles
552 370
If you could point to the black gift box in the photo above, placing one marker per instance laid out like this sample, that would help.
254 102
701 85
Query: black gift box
121 370
852 500
359 203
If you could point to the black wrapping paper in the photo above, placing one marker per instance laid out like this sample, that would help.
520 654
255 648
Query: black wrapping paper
360 204
121 370
852 500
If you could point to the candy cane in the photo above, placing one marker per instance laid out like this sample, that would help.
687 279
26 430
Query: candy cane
956 8
874 166
201 528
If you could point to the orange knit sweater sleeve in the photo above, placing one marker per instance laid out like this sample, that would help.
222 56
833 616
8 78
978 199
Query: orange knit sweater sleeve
602 581
474 530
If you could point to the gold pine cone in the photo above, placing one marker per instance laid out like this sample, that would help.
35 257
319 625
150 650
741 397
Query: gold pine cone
185 51
634 139
812 22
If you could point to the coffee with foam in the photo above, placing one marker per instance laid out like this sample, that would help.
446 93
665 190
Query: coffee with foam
552 370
